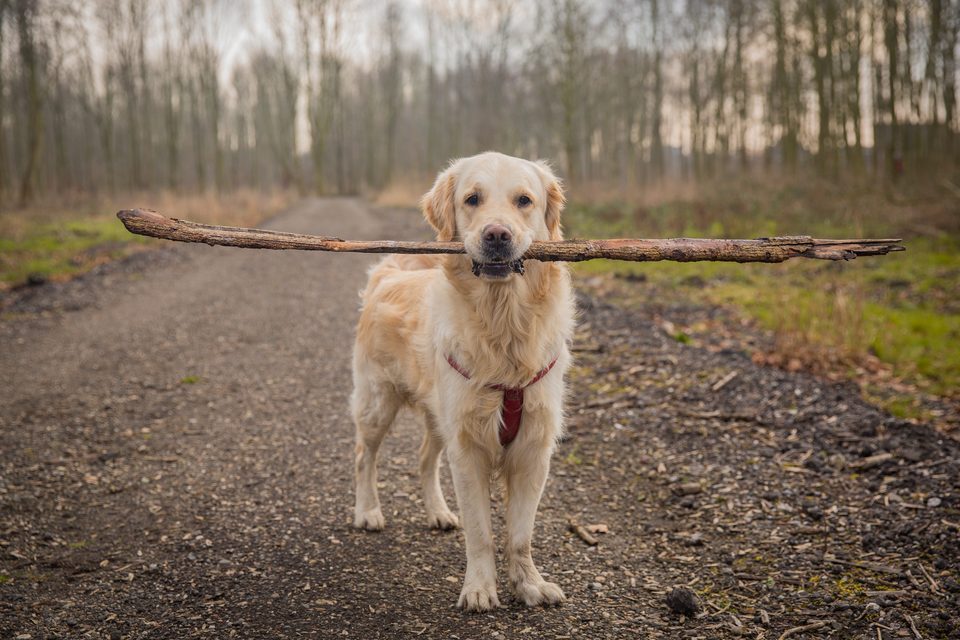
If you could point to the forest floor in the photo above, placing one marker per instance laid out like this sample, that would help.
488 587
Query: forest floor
890 325
176 462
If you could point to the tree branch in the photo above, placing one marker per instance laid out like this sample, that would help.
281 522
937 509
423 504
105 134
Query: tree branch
150 223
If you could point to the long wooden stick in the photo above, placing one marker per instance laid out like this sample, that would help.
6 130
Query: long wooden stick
150 223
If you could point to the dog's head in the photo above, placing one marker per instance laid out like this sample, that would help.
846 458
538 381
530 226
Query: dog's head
497 205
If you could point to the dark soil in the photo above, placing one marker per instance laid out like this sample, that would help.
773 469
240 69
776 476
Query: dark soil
176 462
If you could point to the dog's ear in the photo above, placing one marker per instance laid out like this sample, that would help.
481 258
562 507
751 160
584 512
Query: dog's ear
438 205
555 199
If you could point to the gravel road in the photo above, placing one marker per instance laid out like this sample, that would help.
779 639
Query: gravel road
176 462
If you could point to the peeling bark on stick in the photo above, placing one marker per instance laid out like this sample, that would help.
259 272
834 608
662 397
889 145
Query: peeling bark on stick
150 223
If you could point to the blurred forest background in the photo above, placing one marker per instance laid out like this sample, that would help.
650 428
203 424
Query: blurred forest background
334 96
665 117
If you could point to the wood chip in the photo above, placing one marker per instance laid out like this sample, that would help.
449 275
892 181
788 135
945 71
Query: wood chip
582 533
872 461
688 488
725 380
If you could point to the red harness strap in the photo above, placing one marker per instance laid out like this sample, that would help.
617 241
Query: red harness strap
511 411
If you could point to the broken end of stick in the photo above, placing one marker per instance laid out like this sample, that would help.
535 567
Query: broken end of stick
852 249
147 215
145 222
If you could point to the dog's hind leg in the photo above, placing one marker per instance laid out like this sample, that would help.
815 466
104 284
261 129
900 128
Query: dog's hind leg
374 405
439 515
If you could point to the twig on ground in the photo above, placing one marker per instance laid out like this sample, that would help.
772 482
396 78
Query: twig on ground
913 627
150 223
813 626
725 380
872 461
934 586
582 533
913 580
870 566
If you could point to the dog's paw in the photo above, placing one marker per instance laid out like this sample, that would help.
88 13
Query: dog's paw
478 598
536 593
371 520
444 520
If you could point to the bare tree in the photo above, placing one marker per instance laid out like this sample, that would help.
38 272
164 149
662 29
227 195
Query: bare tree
4 9
26 15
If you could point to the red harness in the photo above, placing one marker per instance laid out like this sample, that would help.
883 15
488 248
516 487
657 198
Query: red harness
511 411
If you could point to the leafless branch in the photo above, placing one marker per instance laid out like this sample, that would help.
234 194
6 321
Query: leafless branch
150 223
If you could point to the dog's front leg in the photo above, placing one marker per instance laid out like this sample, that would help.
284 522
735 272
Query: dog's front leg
470 467
525 474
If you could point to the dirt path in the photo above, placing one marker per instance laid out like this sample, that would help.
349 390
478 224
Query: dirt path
176 462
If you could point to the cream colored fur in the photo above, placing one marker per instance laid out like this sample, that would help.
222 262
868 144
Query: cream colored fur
417 311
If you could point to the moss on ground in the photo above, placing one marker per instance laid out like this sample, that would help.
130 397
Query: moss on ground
61 249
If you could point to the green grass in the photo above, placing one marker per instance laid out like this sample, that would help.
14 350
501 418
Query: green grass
903 308
61 249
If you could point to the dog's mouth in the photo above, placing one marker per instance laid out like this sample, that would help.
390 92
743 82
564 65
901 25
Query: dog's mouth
497 269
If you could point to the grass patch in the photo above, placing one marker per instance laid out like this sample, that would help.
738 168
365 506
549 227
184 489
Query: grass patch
572 458
190 380
60 239
62 249
902 309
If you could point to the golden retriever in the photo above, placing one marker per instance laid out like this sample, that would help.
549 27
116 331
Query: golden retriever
477 345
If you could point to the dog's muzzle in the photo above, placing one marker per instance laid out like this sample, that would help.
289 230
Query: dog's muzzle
497 269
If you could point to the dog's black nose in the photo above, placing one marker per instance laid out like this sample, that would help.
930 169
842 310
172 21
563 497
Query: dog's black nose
496 238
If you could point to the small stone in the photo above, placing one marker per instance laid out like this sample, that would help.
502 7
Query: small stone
688 489
683 601
934 502
837 461
813 511
694 540
595 586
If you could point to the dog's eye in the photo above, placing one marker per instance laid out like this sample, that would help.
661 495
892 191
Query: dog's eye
524 201
473 200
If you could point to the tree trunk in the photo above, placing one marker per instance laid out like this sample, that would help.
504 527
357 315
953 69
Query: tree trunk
570 87
3 107
819 60
656 119
138 10
949 73
26 27
892 42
